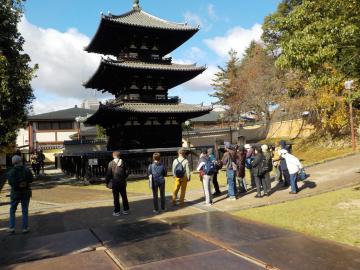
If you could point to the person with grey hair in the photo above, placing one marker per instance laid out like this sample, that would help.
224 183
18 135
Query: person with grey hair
19 178
212 158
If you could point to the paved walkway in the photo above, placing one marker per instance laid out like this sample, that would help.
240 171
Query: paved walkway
72 228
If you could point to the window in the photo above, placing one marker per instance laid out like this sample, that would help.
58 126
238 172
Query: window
66 125
44 125
55 125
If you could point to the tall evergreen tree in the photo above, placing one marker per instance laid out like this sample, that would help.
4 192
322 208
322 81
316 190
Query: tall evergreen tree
224 79
16 73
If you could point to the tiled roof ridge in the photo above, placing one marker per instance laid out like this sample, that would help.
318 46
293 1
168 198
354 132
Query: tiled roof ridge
149 65
162 23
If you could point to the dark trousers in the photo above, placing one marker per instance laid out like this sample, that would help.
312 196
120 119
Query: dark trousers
252 177
120 189
286 177
155 189
259 182
36 168
267 183
216 183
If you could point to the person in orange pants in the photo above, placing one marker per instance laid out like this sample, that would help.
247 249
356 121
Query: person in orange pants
181 172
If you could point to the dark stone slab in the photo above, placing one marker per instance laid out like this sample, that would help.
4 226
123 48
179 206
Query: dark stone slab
301 252
273 246
144 242
227 229
17 249
213 260
97 260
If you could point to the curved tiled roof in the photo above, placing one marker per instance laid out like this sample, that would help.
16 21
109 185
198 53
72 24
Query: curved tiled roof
153 66
138 17
156 107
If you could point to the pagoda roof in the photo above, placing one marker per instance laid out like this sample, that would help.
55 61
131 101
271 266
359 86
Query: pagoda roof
110 111
158 108
112 75
138 17
116 32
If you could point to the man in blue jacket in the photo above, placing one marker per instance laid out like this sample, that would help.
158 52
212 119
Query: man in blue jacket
19 178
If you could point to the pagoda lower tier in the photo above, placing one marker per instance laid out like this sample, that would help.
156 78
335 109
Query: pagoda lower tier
145 78
144 125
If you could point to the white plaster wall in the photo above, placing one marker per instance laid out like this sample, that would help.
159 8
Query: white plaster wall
64 135
45 137
22 137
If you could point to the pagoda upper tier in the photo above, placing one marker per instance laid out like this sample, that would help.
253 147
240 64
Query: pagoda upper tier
130 77
138 32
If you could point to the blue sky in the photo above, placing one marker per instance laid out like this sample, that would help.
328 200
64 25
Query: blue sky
55 32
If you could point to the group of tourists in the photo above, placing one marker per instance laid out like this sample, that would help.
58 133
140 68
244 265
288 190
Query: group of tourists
259 160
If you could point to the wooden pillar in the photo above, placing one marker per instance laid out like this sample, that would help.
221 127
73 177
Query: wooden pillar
31 137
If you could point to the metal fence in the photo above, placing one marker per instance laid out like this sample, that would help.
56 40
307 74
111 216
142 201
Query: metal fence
94 164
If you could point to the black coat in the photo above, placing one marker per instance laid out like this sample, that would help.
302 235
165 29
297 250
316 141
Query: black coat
256 168
116 173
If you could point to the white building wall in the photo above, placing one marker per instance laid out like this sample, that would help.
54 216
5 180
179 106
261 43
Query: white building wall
64 135
22 137
44 137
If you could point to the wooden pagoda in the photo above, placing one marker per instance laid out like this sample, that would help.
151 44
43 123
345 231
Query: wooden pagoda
136 71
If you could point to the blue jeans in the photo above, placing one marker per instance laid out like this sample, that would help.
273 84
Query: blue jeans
230 175
293 182
25 212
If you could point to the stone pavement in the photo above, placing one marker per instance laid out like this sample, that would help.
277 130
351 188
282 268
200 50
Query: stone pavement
72 228
212 240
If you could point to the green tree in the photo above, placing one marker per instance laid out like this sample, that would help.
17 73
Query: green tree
225 78
257 83
16 73
319 41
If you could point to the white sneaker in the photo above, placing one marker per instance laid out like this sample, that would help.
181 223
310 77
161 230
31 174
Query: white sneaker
125 212
24 231
155 212
116 214
10 230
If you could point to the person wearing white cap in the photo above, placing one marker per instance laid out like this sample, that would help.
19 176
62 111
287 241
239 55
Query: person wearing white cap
267 168
19 178
294 166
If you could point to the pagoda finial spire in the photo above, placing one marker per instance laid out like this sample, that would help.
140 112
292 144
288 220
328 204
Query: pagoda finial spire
136 5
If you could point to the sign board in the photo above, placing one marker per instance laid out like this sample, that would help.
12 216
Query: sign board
93 162
2 160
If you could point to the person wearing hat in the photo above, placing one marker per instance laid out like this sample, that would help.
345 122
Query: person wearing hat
228 161
294 166
250 153
267 168
257 171
282 164
19 178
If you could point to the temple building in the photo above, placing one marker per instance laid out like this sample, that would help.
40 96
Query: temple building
136 70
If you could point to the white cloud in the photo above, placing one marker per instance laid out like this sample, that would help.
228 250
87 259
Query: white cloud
63 64
237 38
211 12
196 20
203 81
195 54
55 104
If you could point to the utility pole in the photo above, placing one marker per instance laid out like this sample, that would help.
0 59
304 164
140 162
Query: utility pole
348 86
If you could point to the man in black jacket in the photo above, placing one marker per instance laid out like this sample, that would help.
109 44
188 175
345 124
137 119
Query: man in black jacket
116 180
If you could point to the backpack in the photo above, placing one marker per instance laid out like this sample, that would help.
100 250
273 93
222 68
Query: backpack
179 169
157 173
209 167
266 165
248 162
20 181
